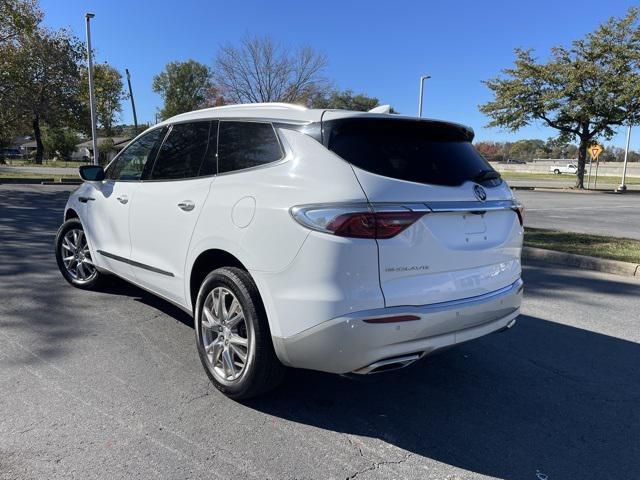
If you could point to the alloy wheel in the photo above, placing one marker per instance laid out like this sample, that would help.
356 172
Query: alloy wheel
77 257
226 338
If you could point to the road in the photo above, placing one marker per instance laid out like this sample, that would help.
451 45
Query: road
108 385
597 213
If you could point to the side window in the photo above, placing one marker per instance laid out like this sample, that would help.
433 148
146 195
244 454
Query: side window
245 145
182 152
130 164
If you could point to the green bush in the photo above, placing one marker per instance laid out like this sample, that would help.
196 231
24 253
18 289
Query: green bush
59 142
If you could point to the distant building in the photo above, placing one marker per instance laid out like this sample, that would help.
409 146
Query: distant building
22 145
84 150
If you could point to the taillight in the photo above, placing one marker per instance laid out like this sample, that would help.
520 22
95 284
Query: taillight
356 221
519 209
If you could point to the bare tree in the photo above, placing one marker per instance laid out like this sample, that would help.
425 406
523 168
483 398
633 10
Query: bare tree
262 70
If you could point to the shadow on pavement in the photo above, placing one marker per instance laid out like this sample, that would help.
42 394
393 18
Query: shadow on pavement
543 398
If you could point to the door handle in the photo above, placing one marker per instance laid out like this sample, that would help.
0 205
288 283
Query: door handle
122 199
186 205
85 199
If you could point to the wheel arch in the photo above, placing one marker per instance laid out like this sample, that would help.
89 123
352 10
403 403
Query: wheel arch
204 264
71 213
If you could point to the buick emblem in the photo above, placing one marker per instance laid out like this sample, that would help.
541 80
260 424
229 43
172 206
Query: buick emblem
479 193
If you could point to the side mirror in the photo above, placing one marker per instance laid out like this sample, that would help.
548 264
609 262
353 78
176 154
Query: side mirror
91 173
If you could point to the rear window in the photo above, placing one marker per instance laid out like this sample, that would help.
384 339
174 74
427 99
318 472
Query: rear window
416 151
245 145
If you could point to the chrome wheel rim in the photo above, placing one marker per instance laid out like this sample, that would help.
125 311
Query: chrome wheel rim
226 335
76 256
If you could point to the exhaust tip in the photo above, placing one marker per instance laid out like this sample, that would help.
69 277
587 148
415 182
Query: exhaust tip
388 364
508 326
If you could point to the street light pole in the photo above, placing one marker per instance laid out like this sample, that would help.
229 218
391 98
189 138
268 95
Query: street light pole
623 187
92 105
422 79
133 105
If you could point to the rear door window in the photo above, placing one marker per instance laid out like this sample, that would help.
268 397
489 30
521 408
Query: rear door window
245 145
416 151
183 151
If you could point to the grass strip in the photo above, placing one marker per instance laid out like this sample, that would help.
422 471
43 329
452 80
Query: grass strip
612 248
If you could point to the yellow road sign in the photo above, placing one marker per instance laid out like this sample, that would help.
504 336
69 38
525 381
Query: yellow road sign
595 151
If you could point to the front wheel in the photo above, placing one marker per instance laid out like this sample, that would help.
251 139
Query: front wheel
233 337
73 256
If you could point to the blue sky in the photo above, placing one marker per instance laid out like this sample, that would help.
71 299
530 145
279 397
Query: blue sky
379 48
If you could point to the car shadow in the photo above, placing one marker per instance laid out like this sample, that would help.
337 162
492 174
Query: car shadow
543 400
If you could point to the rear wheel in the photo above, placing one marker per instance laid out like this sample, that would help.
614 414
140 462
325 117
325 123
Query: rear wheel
233 337
73 256
556 171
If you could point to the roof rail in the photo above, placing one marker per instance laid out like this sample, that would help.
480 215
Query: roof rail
241 106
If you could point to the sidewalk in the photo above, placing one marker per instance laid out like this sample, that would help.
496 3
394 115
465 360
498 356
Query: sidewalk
39 170
565 184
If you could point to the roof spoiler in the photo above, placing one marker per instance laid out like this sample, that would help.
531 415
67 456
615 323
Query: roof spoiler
381 109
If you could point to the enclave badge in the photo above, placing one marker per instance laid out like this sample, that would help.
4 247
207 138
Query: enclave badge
480 193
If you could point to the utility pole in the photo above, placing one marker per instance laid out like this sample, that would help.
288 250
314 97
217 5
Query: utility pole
422 79
623 188
133 104
92 105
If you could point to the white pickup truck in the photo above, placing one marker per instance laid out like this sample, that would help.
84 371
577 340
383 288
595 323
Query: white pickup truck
569 168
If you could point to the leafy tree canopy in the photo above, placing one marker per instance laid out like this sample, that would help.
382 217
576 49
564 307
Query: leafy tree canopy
42 74
584 91
345 99
108 93
17 19
59 142
185 86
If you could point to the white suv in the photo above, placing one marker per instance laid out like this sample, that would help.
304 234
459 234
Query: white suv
324 239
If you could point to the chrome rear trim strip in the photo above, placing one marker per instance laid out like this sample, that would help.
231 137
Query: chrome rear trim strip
441 207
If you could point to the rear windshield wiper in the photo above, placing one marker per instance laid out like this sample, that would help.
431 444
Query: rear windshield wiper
486 175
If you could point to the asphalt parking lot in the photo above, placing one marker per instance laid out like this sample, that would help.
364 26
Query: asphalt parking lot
601 214
108 385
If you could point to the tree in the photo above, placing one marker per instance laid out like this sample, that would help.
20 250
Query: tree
583 91
489 150
18 18
43 78
185 86
261 70
59 142
527 149
558 148
345 100
108 94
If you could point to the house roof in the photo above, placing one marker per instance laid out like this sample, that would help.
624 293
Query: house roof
21 141
118 142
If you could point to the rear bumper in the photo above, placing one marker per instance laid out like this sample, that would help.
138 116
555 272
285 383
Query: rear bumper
348 343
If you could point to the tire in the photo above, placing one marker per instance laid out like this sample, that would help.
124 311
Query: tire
556 171
79 271
220 335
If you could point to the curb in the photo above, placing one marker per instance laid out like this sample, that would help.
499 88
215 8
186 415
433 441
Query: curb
37 181
582 261
68 182
25 180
